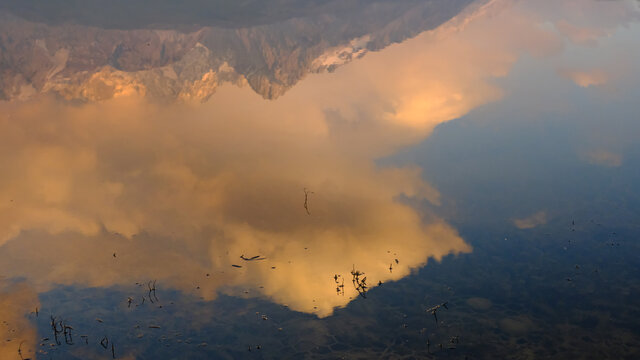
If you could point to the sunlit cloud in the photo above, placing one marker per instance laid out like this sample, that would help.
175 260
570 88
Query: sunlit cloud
17 301
529 222
603 157
580 35
111 192
586 78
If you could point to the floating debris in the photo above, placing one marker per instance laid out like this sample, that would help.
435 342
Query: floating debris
339 280
360 284
237 266
433 310
20 352
306 200
257 257
152 290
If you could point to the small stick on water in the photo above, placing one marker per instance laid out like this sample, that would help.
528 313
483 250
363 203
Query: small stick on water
20 350
257 257
113 351
306 200
359 284
434 309
152 290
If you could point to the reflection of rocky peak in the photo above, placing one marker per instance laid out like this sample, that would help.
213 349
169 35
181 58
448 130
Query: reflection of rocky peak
90 63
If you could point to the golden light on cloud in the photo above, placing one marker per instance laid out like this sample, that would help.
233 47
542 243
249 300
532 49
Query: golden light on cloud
586 78
529 222
17 301
110 192
603 157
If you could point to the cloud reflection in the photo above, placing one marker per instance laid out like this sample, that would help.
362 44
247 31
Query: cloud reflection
119 191
17 300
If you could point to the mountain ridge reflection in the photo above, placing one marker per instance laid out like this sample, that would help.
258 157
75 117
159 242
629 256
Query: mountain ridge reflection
111 193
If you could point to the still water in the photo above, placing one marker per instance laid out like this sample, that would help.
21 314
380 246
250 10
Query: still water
294 179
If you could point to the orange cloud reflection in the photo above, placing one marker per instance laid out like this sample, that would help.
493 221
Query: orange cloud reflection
196 187
124 190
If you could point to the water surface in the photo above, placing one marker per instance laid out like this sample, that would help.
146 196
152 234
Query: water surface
411 179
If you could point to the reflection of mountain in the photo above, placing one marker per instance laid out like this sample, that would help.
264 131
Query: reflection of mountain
80 62
169 14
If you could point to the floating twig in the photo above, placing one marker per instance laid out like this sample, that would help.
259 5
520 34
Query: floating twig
433 310
20 351
339 280
359 284
152 290
257 257
306 200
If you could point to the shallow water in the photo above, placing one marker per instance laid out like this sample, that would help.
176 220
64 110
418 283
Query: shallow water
398 180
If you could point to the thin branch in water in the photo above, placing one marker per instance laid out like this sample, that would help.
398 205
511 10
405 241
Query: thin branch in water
306 200
339 280
257 257
152 290
360 284
20 350
68 339
433 310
